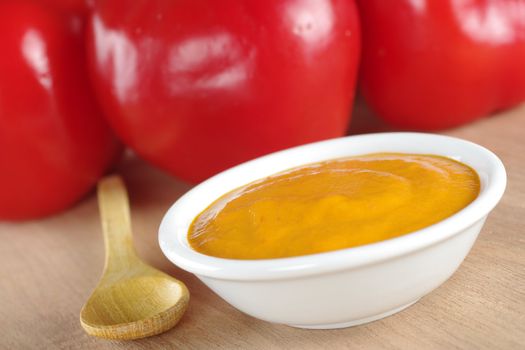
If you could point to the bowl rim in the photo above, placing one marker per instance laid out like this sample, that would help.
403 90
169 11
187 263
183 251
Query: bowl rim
173 235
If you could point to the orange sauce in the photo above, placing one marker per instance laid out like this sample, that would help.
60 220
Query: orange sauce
333 205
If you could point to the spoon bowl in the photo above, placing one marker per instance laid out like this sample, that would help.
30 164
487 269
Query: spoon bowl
146 304
132 300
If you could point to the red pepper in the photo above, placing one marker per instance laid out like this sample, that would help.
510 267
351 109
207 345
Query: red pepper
198 86
79 7
437 64
54 141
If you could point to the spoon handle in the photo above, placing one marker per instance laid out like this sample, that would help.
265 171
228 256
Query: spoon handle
116 224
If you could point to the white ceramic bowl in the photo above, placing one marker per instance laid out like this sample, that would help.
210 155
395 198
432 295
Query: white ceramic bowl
345 287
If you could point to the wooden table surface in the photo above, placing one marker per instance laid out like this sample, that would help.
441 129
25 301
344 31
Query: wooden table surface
49 267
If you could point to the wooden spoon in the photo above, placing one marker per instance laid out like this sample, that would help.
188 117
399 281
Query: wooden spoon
132 300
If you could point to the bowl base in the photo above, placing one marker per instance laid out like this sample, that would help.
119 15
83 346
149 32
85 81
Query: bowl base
355 322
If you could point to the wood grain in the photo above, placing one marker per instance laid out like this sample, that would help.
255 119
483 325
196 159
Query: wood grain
132 299
49 267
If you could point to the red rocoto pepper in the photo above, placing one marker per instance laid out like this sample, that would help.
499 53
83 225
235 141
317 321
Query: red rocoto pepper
196 86
54 141
432 64
79 7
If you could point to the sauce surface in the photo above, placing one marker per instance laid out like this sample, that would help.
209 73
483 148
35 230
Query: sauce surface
333 205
